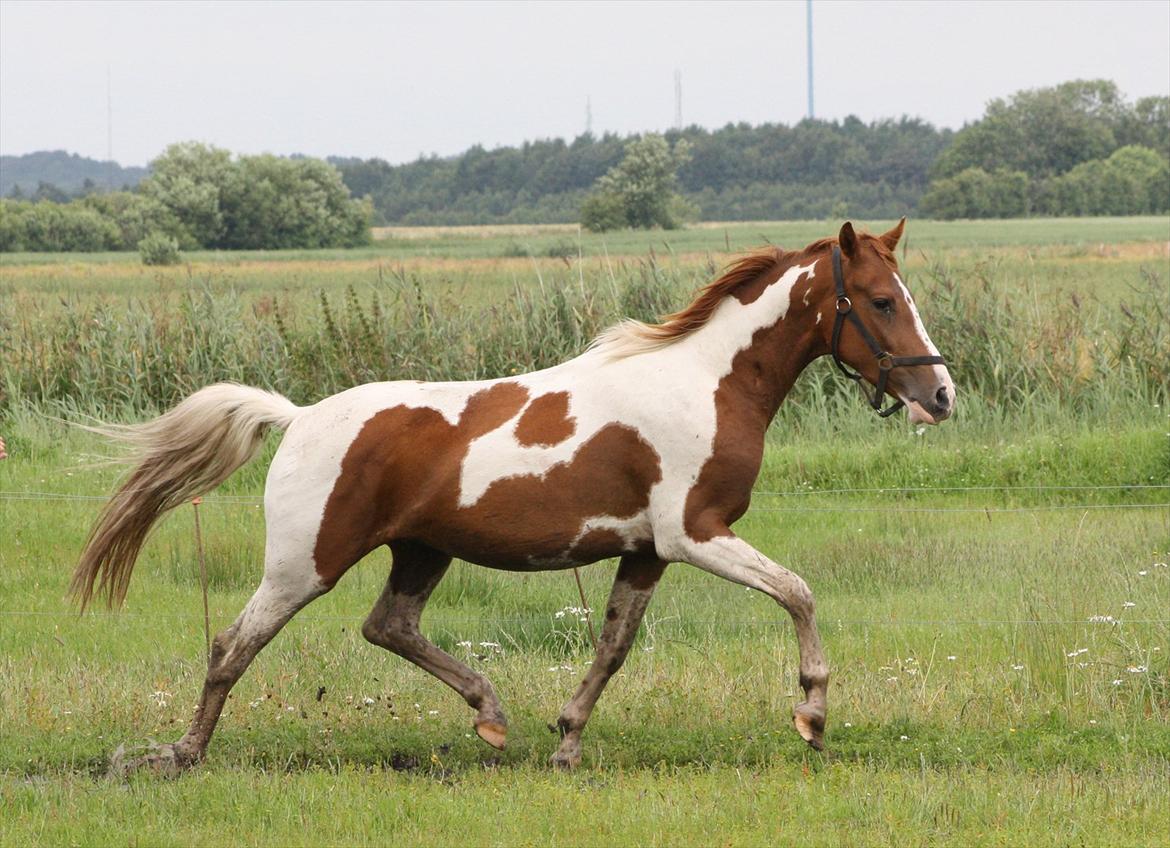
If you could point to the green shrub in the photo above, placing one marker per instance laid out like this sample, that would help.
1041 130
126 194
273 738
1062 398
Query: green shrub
159 249
603 211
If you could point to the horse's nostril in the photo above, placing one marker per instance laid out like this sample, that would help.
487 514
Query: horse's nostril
941 397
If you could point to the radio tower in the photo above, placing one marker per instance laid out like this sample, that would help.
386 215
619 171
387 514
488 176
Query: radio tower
588 115
811 113
677 99
109 131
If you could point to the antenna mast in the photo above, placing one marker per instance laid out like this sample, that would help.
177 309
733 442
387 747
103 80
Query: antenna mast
811 113
109 131
677 99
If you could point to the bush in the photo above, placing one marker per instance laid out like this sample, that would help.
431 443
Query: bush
159 249
603 211
641 190
975 193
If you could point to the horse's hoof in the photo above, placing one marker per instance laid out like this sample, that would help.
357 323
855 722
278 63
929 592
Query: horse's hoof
810 724
163 760
493 733
565 761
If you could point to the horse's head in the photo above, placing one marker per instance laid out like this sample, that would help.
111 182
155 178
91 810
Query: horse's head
876 329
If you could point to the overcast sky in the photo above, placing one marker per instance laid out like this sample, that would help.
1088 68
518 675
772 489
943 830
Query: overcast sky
394 80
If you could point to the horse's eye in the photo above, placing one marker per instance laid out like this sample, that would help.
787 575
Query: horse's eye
883 304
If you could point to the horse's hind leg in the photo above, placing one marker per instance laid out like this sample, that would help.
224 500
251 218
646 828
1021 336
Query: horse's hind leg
393 624
288 585
632 587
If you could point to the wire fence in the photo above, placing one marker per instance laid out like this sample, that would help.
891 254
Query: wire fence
446 621
798 493
780 621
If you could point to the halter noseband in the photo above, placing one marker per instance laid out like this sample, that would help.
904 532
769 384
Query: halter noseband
885 361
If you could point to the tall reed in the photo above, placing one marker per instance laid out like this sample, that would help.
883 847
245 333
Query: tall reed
1009 350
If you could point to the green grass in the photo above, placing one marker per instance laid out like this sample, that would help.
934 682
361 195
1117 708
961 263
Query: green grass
489 242
691 743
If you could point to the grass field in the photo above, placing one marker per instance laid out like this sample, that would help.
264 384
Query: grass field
1000 650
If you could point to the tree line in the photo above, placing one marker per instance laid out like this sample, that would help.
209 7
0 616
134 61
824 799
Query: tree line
1079 148
198 196
808 170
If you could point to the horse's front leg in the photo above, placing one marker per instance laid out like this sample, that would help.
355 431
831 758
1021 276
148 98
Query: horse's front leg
727 555
632 587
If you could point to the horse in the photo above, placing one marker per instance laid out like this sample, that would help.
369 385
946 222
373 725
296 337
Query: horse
645 447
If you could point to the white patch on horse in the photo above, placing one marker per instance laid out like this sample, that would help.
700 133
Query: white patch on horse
818 317
940 370
918 328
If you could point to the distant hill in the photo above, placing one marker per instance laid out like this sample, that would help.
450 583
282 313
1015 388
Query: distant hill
66 171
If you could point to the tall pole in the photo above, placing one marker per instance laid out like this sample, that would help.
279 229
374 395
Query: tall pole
109 131
677 99
811 113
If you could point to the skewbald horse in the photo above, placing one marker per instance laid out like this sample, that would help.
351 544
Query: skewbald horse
645 447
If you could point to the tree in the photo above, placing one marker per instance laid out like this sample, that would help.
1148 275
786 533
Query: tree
268 202
1041 131
975 193
189 180
642 186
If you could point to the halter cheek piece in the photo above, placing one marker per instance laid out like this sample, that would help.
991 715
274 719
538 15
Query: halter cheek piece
885 361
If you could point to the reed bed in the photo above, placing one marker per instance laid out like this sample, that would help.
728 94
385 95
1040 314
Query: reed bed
1014 344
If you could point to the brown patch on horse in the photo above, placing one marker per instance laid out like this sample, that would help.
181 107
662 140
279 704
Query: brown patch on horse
488 409
546 422
532 517
400 479
401 455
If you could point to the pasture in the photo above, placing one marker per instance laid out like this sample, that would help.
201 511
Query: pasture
992 593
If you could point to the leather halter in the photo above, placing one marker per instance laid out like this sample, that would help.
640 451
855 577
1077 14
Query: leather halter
885 361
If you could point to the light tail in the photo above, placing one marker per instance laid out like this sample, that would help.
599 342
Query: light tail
178 456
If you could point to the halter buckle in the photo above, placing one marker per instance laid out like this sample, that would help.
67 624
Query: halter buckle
844 305
885 362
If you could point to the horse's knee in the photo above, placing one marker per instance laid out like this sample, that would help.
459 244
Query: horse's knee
392 635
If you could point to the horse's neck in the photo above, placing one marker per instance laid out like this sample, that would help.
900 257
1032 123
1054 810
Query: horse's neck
757 350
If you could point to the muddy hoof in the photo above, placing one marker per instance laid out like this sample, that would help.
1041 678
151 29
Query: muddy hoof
810 724
493 733
163 760
565 760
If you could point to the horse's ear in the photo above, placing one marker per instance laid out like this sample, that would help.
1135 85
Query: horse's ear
847 239
890 239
